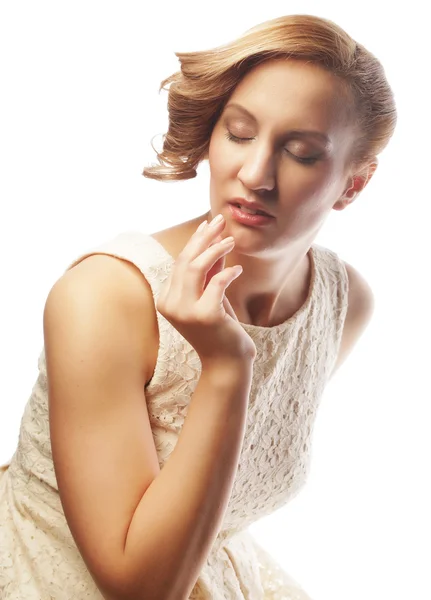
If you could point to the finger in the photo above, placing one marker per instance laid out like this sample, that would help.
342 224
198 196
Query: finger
212 301
204 236
212 260
228 308
217 266
188 280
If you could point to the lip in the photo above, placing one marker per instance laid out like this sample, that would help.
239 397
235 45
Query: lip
244 218
251 205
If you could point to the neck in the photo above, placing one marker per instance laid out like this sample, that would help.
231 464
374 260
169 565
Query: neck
270 289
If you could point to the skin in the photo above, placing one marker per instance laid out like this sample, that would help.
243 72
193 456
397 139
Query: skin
282 96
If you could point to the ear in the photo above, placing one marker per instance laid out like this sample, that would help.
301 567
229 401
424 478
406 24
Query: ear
357 182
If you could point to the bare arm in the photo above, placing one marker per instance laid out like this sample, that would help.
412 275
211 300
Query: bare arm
183 508
143 533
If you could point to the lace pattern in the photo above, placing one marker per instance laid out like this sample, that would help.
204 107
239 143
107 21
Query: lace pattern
294 360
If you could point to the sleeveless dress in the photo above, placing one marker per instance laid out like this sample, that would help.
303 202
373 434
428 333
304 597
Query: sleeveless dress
38 556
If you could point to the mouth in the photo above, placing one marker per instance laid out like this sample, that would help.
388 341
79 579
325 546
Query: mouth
250 211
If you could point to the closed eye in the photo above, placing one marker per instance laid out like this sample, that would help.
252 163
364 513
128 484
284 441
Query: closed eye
306 161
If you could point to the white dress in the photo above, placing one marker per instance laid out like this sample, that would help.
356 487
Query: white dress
38 556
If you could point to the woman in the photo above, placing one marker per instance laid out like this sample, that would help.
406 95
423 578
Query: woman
181 371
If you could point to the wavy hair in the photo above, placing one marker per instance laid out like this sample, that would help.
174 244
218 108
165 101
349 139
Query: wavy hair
198 92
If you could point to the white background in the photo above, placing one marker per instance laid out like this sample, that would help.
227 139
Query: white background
79 105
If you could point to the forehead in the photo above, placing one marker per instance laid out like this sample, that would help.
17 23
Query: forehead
287 93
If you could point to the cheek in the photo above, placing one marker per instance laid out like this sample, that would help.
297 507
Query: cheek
220 161
304 182
307 194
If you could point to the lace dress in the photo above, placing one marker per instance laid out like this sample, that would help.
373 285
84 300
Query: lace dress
38 556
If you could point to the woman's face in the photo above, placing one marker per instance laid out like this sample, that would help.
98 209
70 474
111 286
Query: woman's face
289 148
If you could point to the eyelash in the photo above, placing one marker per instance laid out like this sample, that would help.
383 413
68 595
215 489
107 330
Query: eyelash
238 140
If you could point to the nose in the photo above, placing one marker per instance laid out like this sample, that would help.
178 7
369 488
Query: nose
258 171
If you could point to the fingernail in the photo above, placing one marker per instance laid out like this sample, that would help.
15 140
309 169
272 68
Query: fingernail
218 219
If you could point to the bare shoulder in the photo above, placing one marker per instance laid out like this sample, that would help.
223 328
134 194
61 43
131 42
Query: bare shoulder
120 278
361 296
113 270
360 310
121 283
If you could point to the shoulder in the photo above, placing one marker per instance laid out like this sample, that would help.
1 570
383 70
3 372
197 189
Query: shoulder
111 290
104 273
359 312
361 297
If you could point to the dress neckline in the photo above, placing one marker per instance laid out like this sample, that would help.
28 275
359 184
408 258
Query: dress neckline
260 328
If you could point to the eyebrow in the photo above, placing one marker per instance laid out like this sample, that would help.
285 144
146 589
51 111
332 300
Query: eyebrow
295 132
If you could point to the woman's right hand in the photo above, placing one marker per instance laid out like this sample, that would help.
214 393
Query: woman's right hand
197 307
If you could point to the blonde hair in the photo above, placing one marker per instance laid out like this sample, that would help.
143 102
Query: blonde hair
200 90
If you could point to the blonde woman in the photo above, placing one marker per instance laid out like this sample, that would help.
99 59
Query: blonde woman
182 371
